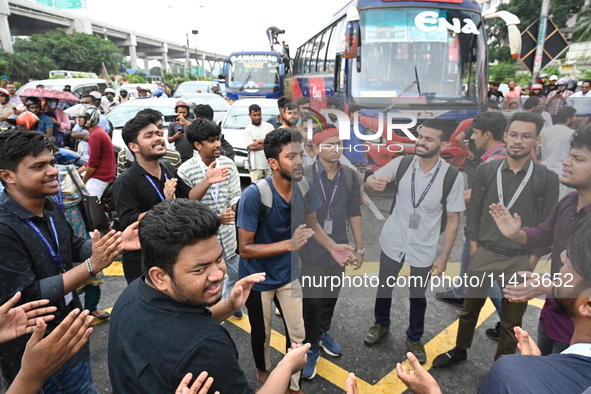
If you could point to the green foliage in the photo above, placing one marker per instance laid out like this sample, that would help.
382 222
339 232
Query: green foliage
583 32
77 51
156 71
528 11
136 78
502 72
585 74
23 66
551 70
3 67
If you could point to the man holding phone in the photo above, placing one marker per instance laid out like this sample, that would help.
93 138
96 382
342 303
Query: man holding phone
176 131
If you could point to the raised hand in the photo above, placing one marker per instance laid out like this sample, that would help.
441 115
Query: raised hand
21 320
242 288
170 189
217 174
129 237
526 345
228 216
508 225
201 385
296 357
105 250
300 237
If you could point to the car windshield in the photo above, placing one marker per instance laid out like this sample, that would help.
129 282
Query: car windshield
238 118
254 73
122 113
217 103
444 46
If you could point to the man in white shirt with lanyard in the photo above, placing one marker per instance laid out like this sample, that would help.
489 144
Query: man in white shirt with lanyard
220 194
411 233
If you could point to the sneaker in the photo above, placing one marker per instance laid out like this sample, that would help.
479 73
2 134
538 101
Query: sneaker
494 333
417 349
238 314
452 357
449 296
309 370
329 345
375 333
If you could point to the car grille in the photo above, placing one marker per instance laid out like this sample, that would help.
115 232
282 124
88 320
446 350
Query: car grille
242 97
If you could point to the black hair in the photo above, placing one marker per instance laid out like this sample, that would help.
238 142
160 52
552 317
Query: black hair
281 101
303 100
491 105
277 139
564 113
291 106
170 226
154 114
203 111
16 144
133 127
307 117
494 84
586 80
353 108
531 117
94 99
202 130
581 138
579 253
530 103
442 126
333 102
254 108
494 122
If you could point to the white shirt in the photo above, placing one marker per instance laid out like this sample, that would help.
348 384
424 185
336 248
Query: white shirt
547 118
397 239
555 146
256 158
581 102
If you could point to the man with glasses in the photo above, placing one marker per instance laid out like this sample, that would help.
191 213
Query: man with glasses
512 182
581 101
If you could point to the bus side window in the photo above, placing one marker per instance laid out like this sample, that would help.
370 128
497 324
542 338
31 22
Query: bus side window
296 63
339 79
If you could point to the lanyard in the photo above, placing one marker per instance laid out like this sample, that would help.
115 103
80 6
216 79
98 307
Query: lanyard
214 189
54 255
519 189
154 185
334 191
59 198
412 190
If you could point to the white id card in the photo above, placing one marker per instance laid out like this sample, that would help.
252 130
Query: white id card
68 298
414 221
328 226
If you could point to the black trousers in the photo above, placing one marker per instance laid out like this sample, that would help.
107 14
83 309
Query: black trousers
320 298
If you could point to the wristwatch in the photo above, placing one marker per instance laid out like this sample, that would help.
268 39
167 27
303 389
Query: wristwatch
361 252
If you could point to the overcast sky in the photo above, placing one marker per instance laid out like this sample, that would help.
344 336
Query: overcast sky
224 26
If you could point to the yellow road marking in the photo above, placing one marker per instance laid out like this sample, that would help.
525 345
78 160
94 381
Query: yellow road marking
115 269
99 321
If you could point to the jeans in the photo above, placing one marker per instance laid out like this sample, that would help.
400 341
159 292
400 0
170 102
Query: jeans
232 274
75 380
418 302
494 293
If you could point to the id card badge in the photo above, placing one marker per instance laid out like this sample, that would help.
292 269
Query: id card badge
68 298
328 226
414 221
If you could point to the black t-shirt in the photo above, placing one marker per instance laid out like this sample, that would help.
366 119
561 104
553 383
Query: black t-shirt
182 145
495 96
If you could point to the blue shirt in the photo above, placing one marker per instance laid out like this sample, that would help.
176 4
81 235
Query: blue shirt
556 373
44 123
284 219
352 143
313 253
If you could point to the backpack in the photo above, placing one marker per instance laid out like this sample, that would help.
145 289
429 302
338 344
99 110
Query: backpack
448 182
267 202
539 179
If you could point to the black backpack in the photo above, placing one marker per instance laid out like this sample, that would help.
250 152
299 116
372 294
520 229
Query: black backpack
448 182
539 179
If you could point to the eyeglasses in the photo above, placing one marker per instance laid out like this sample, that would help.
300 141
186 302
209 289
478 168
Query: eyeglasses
525 137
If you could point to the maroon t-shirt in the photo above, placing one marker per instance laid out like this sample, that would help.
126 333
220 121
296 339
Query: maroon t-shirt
101 155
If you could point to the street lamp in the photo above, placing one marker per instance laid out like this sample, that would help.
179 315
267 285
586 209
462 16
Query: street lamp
195 32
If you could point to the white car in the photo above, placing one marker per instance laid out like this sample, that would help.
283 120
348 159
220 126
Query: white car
236 121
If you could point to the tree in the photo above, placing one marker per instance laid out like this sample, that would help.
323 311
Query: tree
156 71
528 12
76 52
583 32
502 72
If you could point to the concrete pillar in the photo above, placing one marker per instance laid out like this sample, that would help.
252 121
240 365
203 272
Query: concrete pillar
80 25
132 52
164 62
146 66
5 36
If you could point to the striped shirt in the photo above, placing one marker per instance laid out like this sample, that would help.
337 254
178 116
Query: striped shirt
192 172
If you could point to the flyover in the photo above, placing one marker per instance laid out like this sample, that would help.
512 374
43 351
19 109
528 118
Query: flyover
24 18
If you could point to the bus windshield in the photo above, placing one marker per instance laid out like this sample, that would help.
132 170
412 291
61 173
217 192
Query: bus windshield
253 73
445 46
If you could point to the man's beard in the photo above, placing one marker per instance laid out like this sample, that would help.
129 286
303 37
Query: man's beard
566 305
427 154
257 124
288 177
182 297
289 122
151 156
517 156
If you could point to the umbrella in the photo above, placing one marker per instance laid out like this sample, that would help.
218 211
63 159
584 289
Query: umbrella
72 111
64 97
